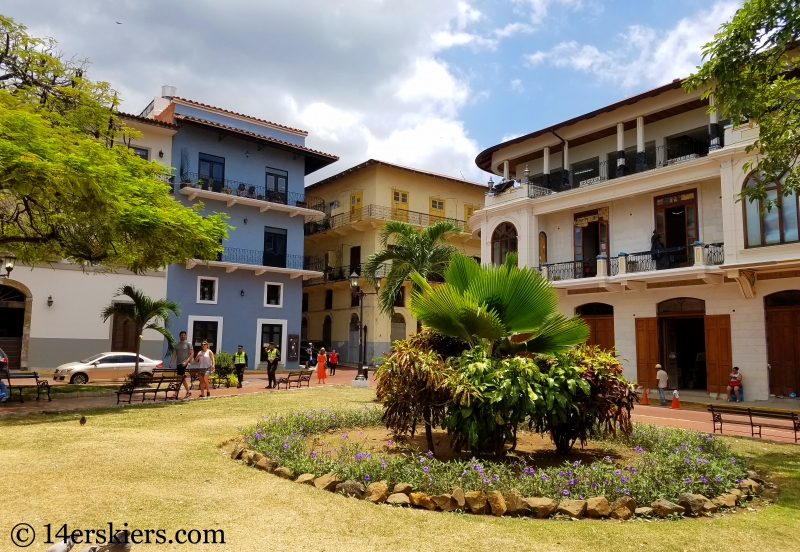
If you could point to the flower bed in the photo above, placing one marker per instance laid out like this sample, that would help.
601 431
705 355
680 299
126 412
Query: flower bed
667 462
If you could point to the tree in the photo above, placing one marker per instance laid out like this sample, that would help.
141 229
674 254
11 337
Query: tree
422 251
144 313
69 187
515 308
751 67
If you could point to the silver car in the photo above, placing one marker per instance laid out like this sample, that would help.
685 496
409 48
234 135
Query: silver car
104 366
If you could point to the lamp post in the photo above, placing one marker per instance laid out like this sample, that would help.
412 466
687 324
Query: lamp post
8 263
360 293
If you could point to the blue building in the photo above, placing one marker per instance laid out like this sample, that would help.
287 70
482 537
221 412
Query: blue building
254 171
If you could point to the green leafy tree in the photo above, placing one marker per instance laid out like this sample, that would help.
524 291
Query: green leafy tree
751 68
69 187
145 313
424 251
515 308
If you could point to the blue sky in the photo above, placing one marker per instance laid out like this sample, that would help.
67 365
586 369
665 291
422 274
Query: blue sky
426 83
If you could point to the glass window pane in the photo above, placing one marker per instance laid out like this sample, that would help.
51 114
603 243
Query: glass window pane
772 230
753 223
690 222
789 211
660 222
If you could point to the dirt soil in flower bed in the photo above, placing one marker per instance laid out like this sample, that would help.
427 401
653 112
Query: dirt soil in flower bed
376 439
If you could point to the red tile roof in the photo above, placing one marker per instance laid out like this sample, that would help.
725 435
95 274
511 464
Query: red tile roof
256 119
180 117
146 120
395 165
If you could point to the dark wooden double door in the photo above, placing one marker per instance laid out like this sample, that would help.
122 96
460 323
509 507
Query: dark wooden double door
718 357
783 349
601 330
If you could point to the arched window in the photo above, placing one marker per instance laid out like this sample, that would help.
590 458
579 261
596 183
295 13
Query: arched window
681 305
594 309
504 241
326 331
779 224
542 248
398 327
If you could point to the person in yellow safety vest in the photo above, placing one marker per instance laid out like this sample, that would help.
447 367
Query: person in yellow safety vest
273 354
240 364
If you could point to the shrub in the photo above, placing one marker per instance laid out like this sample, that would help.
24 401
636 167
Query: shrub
223 363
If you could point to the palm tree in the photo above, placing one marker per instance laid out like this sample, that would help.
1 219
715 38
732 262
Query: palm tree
515 307
146 314
422 251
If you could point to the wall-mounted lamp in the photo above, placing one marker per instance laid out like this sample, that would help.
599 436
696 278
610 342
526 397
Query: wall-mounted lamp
247 154
241 293
8 263
50 301
245 221
161 153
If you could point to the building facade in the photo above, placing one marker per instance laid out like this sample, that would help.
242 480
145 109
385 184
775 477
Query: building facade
358 202
633 212
253 171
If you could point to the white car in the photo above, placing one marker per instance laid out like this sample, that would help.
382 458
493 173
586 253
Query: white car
104 366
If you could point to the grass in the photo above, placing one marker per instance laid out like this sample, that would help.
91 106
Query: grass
160 467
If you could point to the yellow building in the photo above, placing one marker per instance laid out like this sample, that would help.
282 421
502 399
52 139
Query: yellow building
359 201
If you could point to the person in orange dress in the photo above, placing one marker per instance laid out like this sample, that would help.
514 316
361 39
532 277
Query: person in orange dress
321 361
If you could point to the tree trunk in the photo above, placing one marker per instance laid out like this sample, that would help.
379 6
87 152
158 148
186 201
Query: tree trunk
429 430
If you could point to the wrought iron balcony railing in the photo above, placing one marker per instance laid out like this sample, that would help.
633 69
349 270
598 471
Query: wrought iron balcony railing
715 254
265 258
342 273
572 270
251 191
379 212
660 259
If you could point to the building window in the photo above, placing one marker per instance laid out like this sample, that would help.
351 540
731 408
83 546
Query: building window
211 173
144 153
273 294
542 248
328 299
305 303
274 247
400 298
354 297
207 290
277 184
777 225
504 241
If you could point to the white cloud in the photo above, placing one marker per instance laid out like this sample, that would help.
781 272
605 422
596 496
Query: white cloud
433 88
516 85
510 136
538 9
646 55
513 28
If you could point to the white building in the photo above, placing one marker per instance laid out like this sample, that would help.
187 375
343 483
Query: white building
50 314
645 237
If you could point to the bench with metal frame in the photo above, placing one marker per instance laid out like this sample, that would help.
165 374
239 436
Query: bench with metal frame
296 378
755 419
41 386
146 385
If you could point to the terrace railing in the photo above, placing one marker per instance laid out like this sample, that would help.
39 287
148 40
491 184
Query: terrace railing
342 273
714 254
381 213
661 259
572 270
251 191
265 258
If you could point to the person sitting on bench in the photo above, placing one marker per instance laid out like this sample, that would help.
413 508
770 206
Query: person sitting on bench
735 385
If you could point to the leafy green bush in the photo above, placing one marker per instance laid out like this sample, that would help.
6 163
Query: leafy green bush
668 461
223 363
232 380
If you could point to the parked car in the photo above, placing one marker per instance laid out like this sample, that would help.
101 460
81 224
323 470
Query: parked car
315 347
104 366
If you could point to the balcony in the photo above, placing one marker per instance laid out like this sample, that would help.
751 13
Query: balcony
260 262
356 218
342 274
634 270
233 192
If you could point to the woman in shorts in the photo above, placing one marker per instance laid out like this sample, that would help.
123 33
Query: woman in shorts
205 361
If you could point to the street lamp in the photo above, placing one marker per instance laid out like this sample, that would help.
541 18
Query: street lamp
8 263
361 374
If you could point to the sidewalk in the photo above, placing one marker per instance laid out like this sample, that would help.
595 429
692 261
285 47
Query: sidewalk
700 399
253 383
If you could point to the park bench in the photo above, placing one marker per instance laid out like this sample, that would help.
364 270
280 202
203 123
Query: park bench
756 418
41 386
163 381
296 378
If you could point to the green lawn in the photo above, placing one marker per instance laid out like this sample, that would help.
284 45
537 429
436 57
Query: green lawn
160 467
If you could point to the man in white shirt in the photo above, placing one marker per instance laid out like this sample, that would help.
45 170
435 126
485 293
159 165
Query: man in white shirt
662 378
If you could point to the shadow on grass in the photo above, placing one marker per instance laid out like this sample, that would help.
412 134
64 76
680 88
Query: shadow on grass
784 468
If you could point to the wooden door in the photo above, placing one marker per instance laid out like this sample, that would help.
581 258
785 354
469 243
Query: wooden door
601 331
469 210
400 205
356 203
646 351
355 260
719 362
123 334
783 338
436 210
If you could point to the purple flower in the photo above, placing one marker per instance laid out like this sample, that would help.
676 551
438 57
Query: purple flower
430 453
495 477
425 469
617 472
626 491
718 479
486 481
383 464
313 455
607 458
688 480
703 479
733 460
616 490
362 433
389 442
285 446
344 435
594 485
633 471
544 477
566 492
366 477
624 479
421 459
576 463
580 497
561 473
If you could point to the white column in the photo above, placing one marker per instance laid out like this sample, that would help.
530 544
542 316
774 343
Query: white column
533 239
566 156
713 128
546 161
620 137
505 169
639 133
564 168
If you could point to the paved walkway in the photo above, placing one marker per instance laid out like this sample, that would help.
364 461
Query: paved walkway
255 383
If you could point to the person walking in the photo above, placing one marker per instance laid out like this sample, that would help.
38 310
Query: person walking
240 364
273 354
182 355
205 361
663 378
321 361
333 361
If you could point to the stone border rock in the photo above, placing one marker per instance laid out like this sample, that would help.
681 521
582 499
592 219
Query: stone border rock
513 503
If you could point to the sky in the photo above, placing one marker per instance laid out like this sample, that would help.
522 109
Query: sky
424 83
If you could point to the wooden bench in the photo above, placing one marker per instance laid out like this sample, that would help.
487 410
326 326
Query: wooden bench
41 386
296 378
756 418
163 381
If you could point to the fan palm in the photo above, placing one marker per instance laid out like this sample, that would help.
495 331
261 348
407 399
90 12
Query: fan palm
505 304
144 313
422 251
